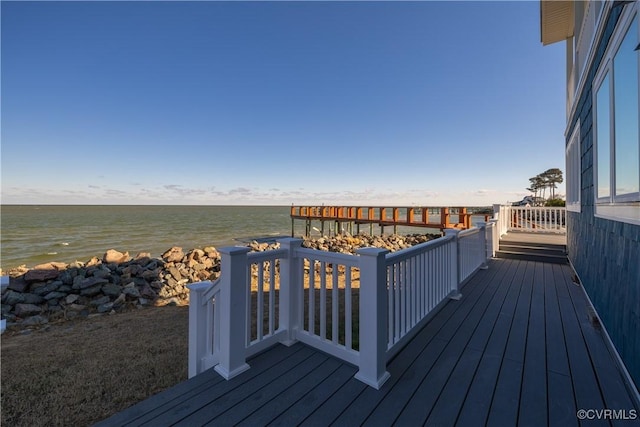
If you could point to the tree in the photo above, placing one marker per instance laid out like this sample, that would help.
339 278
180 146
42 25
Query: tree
553 177
549 178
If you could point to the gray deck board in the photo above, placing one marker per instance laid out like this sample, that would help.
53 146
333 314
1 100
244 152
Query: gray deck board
533 401
518 349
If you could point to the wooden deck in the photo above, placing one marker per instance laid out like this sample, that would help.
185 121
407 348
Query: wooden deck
518 349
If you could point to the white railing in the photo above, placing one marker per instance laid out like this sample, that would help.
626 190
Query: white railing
531 219
361 308
472 252
418 280
493 238
330 280
217 321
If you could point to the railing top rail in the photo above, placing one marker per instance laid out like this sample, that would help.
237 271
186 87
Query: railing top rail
539 208
269 255
417 249
469 232
212 288
335 257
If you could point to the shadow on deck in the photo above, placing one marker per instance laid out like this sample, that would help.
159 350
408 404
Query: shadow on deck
519 348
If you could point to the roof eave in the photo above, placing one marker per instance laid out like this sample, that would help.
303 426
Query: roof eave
556 21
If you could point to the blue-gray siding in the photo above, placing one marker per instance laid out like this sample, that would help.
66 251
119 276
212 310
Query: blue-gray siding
604 253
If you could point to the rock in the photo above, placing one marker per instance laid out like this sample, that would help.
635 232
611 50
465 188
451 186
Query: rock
211 252
23 310
54 295
92 262
5 309
12 298
100 301
174 254
43 289
33 299
40 275
113 256
51 266
132 270
150 275
147 292
102 274
106 307
18 284
66 277
70 299
120 300
92 281
173 301
76 307
175 273
143 256
35 320
131 291
94 290
111 289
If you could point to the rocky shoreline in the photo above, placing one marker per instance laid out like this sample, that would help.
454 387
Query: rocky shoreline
57 291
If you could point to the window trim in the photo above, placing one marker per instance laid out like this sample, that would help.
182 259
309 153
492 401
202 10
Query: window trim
623 208
573 169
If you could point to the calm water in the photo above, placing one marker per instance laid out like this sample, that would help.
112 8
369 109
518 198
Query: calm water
35 234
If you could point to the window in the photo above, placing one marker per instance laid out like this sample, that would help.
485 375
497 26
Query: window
573 170
617 124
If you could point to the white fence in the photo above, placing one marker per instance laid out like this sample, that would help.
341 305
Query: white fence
361 308
531 219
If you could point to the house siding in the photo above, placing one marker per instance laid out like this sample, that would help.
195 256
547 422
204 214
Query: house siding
605 253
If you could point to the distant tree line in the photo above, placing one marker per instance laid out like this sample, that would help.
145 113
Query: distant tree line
548 179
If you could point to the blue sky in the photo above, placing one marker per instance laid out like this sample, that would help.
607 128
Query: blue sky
362 103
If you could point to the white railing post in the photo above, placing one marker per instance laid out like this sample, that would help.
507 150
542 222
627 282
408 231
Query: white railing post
200 327
373 317
483 244
495 238
233 311
455 264
290 290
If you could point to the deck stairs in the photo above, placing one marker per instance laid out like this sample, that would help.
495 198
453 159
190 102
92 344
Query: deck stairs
542 247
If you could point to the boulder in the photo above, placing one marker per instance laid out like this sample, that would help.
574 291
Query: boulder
105 308
70 299
35 320
100 301
115 257
111 289
12 297
35 275
174 254
54 295
18 284
33 299
51 266
24 310
92 281
91 291
175 273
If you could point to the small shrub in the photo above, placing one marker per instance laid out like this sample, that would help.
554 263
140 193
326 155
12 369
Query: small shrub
555 203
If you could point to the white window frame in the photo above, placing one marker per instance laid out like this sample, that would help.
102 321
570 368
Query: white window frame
624 208
574 170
